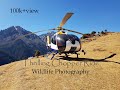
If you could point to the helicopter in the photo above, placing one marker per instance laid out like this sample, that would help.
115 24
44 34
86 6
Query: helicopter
63 42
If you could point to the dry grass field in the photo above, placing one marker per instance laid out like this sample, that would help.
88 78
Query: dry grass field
99 69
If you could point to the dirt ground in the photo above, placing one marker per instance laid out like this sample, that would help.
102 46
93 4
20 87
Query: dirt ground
99 69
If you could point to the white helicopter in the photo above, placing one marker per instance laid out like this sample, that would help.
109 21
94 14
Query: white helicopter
63 42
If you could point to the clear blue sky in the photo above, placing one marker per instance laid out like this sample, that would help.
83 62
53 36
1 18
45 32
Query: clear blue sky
88 15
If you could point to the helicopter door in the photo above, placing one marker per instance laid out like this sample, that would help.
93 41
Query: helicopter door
53 43
48 41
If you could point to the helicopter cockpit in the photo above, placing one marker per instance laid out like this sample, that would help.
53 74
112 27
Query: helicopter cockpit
60 39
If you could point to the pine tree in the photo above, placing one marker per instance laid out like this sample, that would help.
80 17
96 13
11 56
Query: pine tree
93 32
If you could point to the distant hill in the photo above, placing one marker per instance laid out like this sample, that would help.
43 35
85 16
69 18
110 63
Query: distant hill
43 36
13 49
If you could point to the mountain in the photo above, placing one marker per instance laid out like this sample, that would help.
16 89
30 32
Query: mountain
5 58
43 36
15 47
98 69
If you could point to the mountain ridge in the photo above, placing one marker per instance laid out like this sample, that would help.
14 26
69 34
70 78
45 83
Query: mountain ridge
23 47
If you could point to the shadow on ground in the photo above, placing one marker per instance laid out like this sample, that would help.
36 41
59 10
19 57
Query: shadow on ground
89 59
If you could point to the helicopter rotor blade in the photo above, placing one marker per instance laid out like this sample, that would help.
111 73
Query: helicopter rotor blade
73 31
29 34
23 37
66 17
53 29
68 30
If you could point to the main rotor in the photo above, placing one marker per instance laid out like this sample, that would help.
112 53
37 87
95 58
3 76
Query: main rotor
64 20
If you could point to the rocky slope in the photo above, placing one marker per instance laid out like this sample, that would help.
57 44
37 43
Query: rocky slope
20 48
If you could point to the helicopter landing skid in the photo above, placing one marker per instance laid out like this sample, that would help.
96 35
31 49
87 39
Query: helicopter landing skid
53 55
66 55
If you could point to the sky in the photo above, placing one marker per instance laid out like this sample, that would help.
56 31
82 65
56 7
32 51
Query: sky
89 15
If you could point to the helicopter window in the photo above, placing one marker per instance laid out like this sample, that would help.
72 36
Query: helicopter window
54 39
73 36
76 38
63 37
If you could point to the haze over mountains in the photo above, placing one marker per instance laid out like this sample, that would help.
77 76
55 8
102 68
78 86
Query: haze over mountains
12 49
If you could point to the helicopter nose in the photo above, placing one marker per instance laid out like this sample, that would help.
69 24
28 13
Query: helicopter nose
73 41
